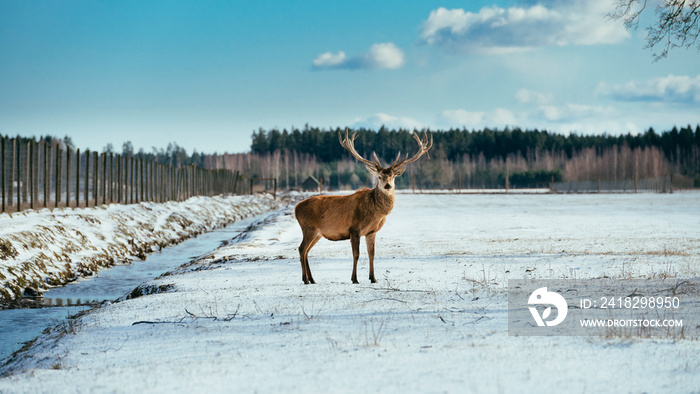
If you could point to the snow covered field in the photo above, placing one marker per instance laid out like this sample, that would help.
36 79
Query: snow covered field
240 319
53 247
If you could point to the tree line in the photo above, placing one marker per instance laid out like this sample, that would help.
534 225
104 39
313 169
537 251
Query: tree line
460 158
484 158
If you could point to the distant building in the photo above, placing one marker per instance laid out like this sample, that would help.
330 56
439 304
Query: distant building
310 184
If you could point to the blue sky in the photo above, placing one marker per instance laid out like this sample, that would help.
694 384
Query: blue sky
205 74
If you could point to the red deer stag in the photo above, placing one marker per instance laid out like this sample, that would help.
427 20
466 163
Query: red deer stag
360 214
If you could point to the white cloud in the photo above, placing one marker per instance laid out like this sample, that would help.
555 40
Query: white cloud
386 55
571 112
498 30
499 117
391 122
525 96
330 59
462 117
673 88
379 56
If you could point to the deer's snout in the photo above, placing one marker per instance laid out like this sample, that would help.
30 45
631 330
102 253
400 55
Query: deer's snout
387 186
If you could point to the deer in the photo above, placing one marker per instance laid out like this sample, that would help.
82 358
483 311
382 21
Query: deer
361 214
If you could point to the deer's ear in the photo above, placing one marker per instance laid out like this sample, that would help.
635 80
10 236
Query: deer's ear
399 171
372 170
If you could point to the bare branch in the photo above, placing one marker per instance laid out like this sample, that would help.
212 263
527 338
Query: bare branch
677 23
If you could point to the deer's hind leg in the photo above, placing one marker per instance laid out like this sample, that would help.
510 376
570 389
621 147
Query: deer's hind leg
310 239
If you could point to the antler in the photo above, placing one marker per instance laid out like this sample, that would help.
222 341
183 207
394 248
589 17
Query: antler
349 144
424 146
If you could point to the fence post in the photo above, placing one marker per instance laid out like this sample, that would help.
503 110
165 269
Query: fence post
119 179
77 178
111 176
104 178
158 179
125 179
57 190
2 168
166 174
149 180
137 180
19 173
149 175
27 180
47 173
95 171
171 182
30 160
87 178
12 174
68 155
129 163
459 181
180 183
551 185
143 179
235 181
132 174
37 170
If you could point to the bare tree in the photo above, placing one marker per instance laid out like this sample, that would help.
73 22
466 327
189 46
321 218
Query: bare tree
677 24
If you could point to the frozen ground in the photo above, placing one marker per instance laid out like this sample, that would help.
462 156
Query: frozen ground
53 247
241 320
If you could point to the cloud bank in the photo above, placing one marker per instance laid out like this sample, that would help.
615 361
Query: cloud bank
379 56
391 122
499 117
673 88
525 96
500 30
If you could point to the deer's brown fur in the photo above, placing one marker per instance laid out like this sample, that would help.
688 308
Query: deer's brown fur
353 216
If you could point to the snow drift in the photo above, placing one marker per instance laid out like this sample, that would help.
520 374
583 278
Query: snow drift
46 248
240 319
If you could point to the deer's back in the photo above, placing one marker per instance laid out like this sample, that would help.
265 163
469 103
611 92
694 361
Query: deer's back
336 217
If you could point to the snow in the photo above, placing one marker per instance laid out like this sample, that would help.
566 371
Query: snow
239 319
43 248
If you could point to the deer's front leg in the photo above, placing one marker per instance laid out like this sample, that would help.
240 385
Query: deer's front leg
355 242
370 252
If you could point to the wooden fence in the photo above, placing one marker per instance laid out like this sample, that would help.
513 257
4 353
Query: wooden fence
43 174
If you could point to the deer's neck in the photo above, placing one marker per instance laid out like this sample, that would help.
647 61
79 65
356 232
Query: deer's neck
384 201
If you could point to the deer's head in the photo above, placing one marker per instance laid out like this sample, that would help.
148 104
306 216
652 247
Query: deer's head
385 175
